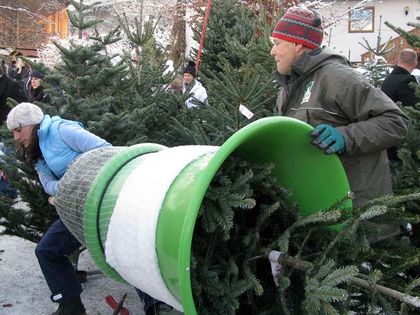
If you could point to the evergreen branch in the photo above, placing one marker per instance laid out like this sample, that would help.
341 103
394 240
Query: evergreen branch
414 284
318 217
373 212
393 200
340 275
328 293
324 270
328 309
412 40
302 265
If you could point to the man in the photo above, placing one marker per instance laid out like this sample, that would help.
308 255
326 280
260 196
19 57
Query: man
12 89
397 87
12 70
8 88
5 68
351 117
397 84
193 87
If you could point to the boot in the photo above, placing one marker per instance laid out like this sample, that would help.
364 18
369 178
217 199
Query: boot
73 306
162 309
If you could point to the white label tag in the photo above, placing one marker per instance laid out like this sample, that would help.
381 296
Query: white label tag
57 297
307 95
245 111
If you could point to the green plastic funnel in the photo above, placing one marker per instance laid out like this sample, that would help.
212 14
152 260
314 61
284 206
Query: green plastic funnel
315 179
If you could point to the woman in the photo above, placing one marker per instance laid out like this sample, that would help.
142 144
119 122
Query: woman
193 87
22 74
50 144
36 90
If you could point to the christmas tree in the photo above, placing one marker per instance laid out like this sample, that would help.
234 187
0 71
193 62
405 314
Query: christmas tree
125 99
407 179
227 68
111 94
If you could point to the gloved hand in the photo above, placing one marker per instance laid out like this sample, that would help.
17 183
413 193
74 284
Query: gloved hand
42 167
328 139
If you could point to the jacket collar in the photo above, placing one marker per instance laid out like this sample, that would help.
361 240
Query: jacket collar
400 70
308 62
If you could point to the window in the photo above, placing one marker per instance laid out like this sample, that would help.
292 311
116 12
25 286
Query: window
362 20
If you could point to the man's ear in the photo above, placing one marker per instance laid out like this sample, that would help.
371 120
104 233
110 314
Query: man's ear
299 48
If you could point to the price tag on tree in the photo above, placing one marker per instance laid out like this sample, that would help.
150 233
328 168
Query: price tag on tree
245 111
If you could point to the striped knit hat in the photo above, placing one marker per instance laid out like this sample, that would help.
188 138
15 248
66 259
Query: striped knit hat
301 26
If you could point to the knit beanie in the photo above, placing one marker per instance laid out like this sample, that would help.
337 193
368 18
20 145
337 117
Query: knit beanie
190 68
37 74
24 114
301 26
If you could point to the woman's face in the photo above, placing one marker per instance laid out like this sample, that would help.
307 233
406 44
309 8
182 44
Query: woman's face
188 78
35 82
23 135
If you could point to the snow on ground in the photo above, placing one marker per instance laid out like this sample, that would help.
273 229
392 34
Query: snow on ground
23 290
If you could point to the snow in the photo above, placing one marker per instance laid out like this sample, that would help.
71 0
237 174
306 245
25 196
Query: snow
25 292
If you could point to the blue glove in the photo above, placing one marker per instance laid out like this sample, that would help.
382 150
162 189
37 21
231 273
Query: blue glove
328 139
42 168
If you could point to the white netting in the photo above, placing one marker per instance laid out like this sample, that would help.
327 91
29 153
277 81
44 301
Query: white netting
74 187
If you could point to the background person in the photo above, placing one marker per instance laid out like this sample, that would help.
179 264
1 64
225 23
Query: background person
397 84
4 68
36 90
177 84
9 88
399 87
12 89
23 73
193 87
351 117
12 70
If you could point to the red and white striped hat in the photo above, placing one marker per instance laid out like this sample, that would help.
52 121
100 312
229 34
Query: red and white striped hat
300 25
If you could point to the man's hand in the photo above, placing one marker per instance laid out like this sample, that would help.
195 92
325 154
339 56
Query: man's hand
328 138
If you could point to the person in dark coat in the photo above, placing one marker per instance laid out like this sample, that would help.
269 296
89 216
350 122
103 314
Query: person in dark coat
397 84
397 87
12 70
36 90
9 88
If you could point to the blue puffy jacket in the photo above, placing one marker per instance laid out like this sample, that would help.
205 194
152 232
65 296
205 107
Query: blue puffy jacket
61 141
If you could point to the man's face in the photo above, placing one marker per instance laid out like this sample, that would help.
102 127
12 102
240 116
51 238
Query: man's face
188 78
23 135
285 53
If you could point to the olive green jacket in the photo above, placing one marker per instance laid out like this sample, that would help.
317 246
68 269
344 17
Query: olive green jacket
323 89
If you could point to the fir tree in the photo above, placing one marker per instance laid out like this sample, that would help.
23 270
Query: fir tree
377 68
126 101
243 213
108 93
336 257
407 171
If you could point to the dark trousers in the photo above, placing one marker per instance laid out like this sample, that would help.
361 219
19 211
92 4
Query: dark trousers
52 252
147 299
